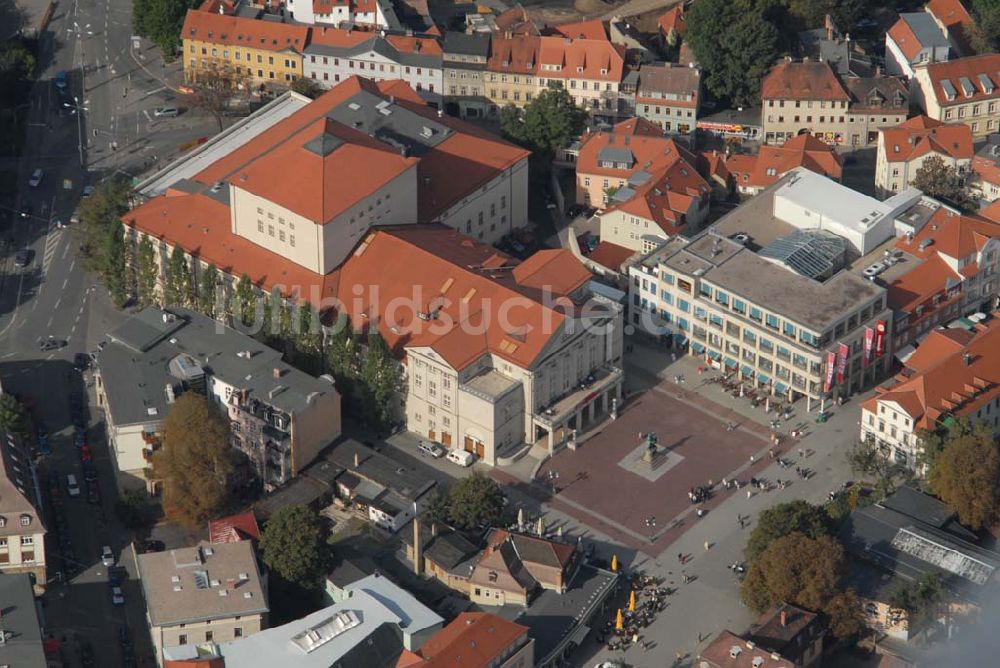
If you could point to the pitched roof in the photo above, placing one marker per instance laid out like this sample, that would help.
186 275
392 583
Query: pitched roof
951 380
986 163
516 21
581 58
246 32
610 255
771 162
17 489
473 640
592 29
729 650
672 80
232 529
916 31
517 54
991 212
533 549
808 80
965 79
673 20
953 235
954 17
878 94
921 135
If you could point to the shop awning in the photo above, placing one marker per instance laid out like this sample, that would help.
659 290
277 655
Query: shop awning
761 378
747 371
714 355
780 388
697 347
730 362
681 340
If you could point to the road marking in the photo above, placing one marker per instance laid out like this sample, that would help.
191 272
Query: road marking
63 256
66 281
50 322
56 307
7 355
72 264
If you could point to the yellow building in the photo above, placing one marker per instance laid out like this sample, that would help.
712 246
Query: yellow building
268 54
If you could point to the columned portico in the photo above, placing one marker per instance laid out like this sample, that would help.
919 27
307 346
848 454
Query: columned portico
568 413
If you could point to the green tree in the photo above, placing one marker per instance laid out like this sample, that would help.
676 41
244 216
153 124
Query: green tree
843 614
221 91
146 273
160 21
342 355
196 460
436 507
309 328
932 441
735 42
381 377
245 306
985 37
919 598
272 319
130 276
784 519
865 457
549 122
845 13
177 285
308 87
475 500
207 292
114 276
797 569
12 415
966 476
294 546
940 180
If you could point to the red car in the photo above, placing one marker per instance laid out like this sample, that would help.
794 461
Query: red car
85 454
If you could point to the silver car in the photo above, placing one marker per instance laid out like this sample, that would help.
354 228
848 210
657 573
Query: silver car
432 448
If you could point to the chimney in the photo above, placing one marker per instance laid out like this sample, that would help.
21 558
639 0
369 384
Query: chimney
828 24
276 372
967 358
418 548
784 613
357 460
434 528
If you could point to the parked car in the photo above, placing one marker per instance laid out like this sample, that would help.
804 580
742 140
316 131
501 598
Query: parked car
45 345
93 491
154 546
117 596
61 80
107 556
166 112
88 191
432 448
116 575
72 486
75 217
36 177
461 457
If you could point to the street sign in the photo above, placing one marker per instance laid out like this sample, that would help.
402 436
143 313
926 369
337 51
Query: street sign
135 42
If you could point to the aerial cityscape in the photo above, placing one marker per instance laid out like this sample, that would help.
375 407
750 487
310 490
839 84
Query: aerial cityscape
498 334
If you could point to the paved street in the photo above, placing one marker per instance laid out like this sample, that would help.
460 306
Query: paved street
115 90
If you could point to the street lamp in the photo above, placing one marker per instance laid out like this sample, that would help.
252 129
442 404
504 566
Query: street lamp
651 525
553 477
78 109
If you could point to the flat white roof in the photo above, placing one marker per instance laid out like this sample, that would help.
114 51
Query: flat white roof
222 144
833 201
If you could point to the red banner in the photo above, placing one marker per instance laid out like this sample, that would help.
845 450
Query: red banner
831 362
869 345
880 338
842 354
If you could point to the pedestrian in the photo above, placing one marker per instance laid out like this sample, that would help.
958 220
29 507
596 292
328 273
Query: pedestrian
802 453
752 459
749 493
771 453
707 546
680 557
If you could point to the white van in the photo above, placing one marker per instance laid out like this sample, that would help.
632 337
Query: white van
461 457
72 488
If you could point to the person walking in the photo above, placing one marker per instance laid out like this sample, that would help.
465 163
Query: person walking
749 493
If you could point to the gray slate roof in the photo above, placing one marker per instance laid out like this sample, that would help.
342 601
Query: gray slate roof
476 44
926 29
23 647
135 366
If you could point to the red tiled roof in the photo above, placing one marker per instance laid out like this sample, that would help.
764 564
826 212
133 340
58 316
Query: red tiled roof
921 135
986 169
772 162
668 197
610 255
234 528
516 21
517 54
592 59
954 17
902 34
592 29
720 654
991 212
970 68
948 382
673 19
472 640
337 37
919 285
212 6
952 235
410 44
246 32
810 80
671 79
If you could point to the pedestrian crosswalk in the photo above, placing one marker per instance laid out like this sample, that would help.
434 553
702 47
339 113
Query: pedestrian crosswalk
51 245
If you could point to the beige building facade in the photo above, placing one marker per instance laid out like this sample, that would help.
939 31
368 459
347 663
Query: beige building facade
965 90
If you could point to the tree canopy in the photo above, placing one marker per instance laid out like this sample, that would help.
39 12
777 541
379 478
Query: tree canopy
103 246
146 273
195 461
12 414
985 37
549 122
308 87
794 568
919 598
784 519
294 545
381 377
160 21
940 180
475 500
735 42
966 476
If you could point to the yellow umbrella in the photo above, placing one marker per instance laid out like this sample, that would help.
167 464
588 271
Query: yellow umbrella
619 621
631 601
614 563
